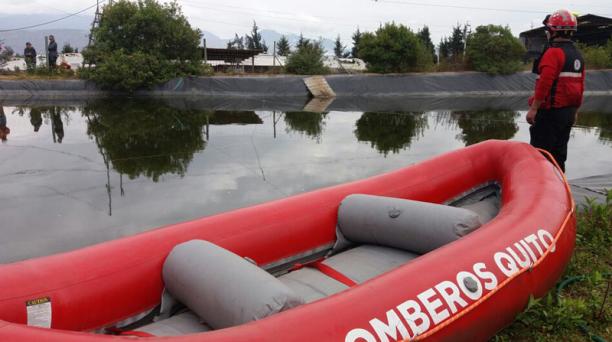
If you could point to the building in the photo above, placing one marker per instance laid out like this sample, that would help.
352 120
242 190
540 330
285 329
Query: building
592 30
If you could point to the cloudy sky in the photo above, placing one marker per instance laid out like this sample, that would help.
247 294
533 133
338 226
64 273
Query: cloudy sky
329 18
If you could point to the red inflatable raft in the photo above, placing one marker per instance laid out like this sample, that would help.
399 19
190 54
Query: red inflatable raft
465 290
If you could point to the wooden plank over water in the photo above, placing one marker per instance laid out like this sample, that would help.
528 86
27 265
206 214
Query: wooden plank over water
318 87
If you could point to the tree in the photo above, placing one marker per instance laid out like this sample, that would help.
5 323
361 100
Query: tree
339 48
494 50
455 44
425 38
443 49
597 57
282 47
237 43
139 44
307 59
6 53
67 48
254 40
393 48
302 42
356 40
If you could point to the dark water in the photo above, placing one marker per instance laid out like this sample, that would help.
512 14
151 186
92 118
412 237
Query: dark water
72 176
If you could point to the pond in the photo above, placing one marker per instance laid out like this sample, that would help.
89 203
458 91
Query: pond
75 175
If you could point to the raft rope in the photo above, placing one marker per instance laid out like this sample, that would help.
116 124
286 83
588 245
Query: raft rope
504 283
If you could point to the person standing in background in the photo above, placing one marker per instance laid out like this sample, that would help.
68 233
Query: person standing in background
52 50
559 87
30 56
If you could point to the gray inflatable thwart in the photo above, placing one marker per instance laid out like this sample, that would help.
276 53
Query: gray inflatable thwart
221 287
414 226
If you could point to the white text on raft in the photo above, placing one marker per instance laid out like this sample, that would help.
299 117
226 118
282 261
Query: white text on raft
447 297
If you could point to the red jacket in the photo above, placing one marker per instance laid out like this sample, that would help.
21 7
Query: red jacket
561 76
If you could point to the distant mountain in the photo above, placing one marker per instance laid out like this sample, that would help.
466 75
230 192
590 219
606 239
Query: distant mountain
79 22
75 30
272 36
17 39
269 36
213 41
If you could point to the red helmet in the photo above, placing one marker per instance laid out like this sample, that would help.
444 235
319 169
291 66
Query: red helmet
561 20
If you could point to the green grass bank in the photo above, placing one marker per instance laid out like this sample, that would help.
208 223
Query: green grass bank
579 308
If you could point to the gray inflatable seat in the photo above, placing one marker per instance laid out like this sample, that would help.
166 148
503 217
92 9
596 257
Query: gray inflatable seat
311 285
359 264
368 261
486 208
181 324
414 226
222 288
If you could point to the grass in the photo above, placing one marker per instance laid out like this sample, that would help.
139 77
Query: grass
41 72
580 307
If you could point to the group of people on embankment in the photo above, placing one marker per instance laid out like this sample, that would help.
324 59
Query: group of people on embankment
29 54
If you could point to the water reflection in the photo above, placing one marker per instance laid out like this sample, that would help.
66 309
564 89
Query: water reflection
36 118
57 125
601 121
4 130
223 117
477 126
390 132
146 138
308 123
82 193
54 115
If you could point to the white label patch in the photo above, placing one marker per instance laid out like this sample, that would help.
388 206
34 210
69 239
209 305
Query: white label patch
577 65
39 312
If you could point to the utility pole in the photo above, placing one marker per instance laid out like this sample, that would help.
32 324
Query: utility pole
205 53
274 58
47 59
96 21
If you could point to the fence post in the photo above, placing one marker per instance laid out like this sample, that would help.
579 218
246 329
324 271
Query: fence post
274 58
47 50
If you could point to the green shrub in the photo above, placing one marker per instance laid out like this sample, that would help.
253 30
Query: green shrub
307 59
597 57
142 43
127 72
494 50
394 48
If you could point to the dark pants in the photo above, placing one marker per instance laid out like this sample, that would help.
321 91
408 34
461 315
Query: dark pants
551 131
30 63
52 61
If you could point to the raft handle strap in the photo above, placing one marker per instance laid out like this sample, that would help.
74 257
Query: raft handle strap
327 270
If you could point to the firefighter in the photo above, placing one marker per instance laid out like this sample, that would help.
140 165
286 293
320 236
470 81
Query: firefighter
559 87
